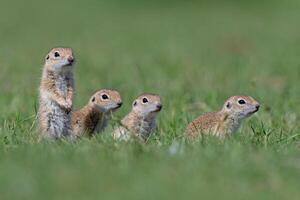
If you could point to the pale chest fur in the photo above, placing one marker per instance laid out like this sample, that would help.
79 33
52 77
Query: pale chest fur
227 127
144 127
61 84
54 120
138 126
102 123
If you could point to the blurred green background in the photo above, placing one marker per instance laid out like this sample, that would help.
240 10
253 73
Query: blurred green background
195 54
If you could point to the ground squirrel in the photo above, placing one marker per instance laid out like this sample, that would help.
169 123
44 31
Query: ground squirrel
140 121
93 117
226 121
56 93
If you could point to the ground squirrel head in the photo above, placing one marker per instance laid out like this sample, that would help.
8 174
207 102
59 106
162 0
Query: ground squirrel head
147 104
240 106
59 59
106 100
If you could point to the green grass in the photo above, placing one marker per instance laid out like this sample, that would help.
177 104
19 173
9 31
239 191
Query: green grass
195 55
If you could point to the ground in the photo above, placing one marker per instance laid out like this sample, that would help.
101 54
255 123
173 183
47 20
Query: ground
195 54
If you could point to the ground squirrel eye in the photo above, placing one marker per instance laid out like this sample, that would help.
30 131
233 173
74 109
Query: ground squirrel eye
56 54
145 100
104 96
241 101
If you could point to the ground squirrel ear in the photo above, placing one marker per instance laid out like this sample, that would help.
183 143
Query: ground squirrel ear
228 105
47 58
135 103
93 99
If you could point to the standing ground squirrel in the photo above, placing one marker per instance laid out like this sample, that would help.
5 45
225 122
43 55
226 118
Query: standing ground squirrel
93 117
56 93
226 121
141 120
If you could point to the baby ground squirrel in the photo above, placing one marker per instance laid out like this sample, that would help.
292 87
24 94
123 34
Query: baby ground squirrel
56 93
93 117
226 121
140 122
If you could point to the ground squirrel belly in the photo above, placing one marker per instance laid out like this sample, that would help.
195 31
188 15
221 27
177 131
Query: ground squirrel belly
226 121
56 93
141 121
93 117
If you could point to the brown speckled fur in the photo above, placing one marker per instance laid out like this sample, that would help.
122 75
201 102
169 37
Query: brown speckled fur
140 122
56 94
224 122
93 117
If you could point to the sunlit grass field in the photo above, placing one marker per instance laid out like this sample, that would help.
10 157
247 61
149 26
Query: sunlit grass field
195 55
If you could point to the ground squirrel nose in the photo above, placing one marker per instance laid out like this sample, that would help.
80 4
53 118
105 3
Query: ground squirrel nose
71 59
257 106
159 107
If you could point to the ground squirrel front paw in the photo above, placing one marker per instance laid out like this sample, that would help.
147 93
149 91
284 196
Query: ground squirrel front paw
67 106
